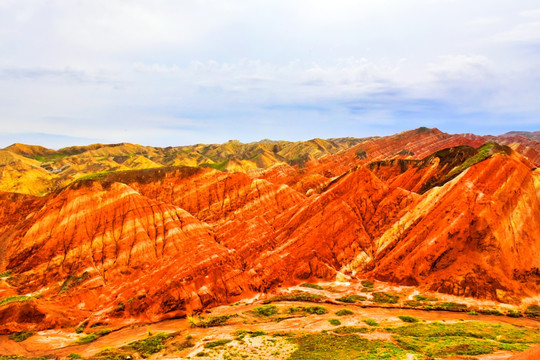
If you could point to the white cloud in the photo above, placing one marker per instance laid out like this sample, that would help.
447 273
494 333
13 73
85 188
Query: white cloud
138 68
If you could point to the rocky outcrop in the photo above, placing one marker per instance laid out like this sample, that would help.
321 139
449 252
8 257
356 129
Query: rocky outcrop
474 236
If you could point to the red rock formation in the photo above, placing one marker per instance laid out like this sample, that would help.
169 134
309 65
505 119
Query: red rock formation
107 241
475 236
156 243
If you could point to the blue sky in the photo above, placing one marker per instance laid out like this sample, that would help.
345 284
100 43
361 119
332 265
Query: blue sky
183 72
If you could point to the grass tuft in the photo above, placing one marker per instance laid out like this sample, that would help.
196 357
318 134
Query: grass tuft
21 336
150 345
407 318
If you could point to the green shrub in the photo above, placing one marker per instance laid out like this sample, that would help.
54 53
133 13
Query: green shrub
371 322
81 327
266 310
74 356
319 310
351 298
110 354
312 286
450 306
211 321
351 330
21 336
367 284
473 312
382 297
257 333
5 274
93 336
490 312
87 338
533 311
424 298
413 303
407 318
300 296
216 343
514 313
344 312
150 345
334 322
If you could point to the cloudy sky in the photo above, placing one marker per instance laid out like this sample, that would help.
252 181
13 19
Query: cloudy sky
167 72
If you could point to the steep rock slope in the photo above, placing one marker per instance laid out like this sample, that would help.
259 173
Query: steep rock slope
434 170
317 237
475 236
93 243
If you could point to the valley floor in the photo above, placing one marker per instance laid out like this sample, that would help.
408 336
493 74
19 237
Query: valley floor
311 321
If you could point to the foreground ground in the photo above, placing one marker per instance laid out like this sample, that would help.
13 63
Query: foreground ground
324 321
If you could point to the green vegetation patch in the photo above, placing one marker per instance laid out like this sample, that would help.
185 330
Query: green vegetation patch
407 318
54 157
298 296
266 310
5 274
74 356
448 306
490 312
344 312
425 298
463 338
351 330
454 345
351 299
344 347
505 333
21 336
11 299
107 354
413 303
20 357
93 336
211 321
312 286
100 176
81 327
533 311
514 313
334 322
370 322
482 153
318 310
150 345
382 297
216 343
221 166
367 284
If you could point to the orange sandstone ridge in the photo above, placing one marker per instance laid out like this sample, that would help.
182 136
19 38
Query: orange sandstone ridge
456 214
